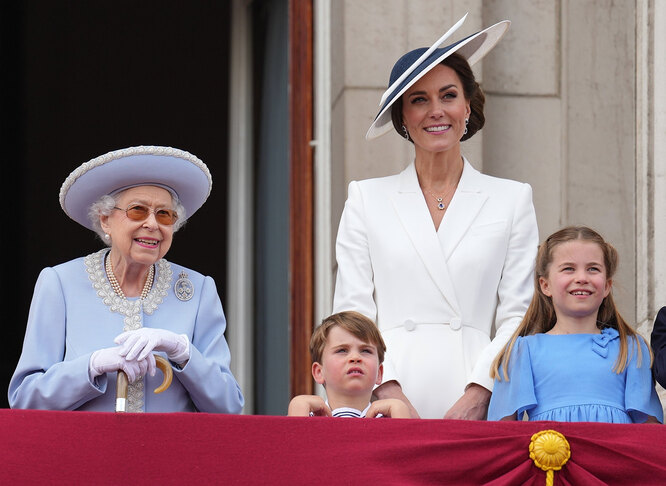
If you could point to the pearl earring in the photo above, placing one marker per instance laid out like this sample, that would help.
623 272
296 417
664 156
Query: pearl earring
466 123
107 236
406 134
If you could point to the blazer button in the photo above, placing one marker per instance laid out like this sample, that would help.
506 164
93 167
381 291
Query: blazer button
409 325
456 323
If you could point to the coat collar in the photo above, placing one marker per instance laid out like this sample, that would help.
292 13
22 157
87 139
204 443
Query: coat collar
467 201
470 179
435 247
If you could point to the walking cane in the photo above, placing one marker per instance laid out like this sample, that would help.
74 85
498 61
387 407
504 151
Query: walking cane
122 382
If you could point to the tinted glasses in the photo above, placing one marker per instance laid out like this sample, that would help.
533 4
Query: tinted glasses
139 212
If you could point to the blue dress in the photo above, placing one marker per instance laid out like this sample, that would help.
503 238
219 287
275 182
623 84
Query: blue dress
570 378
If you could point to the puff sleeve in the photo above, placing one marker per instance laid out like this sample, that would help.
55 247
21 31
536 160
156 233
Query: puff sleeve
640 397
517 394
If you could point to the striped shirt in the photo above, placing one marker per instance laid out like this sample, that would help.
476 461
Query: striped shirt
349 412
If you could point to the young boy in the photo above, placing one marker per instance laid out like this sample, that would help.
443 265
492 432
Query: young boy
347 351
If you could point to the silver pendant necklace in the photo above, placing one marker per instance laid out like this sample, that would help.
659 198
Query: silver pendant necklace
440 202
441 205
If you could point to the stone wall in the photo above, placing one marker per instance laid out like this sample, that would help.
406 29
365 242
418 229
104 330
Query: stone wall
561 106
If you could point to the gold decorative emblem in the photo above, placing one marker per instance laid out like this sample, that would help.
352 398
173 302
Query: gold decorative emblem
550 451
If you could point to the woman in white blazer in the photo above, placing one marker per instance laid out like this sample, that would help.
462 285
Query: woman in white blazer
440 255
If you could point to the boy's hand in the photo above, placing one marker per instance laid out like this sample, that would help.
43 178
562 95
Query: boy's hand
388 407
392 389
307 405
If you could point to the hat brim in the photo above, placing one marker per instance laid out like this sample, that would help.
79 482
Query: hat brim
472 48
176 170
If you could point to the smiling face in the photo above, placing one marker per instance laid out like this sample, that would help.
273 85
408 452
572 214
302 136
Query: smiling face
434 110
349 366
139 242
576 281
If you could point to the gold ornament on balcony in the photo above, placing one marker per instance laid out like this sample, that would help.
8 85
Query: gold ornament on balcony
550 451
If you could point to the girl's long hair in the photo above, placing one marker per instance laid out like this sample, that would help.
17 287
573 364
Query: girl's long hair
540 316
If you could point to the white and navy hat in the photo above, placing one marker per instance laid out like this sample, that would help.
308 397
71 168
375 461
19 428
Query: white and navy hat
417 63
180 172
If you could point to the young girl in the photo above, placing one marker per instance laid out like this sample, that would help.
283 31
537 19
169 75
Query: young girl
574 358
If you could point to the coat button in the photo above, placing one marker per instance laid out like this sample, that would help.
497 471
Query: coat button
456 323
409 325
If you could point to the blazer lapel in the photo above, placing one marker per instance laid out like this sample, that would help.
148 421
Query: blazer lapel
414 216
463 210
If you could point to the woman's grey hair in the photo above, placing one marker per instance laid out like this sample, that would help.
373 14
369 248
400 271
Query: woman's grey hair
105 204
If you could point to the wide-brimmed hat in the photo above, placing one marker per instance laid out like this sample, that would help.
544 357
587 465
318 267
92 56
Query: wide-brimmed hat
180 172
417 63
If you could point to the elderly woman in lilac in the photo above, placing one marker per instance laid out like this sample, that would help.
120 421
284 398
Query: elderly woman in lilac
110 311
574 358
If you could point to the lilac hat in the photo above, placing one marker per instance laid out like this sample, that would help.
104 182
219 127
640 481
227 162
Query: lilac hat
417 63
180 172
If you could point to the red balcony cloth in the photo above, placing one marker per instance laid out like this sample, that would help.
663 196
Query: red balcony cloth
39 447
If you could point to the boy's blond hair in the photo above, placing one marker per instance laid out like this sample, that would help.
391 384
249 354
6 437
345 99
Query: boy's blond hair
353 322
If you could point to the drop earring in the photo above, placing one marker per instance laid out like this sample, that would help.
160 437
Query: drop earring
406 133
466 123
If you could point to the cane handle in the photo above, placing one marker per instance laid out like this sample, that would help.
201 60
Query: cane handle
122 383
164 365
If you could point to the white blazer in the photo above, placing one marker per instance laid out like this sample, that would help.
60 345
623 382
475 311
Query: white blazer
436 296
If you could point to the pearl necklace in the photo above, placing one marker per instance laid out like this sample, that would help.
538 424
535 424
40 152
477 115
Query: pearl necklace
116 286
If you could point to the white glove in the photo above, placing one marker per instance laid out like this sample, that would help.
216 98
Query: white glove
142 342
109 359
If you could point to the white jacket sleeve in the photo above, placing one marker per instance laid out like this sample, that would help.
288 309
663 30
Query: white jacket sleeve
354 286
516 286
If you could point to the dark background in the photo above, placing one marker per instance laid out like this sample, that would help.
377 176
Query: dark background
80 78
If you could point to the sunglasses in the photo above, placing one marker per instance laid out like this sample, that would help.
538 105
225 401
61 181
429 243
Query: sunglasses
139 212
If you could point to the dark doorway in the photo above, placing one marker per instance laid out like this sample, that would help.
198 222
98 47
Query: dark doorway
80 78
271 292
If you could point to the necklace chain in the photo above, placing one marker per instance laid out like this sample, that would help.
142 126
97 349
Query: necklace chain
116 286
441 205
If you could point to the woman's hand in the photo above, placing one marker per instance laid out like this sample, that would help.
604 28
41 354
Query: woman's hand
473 405
510 417
392 389
142 342
108 360
307 405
